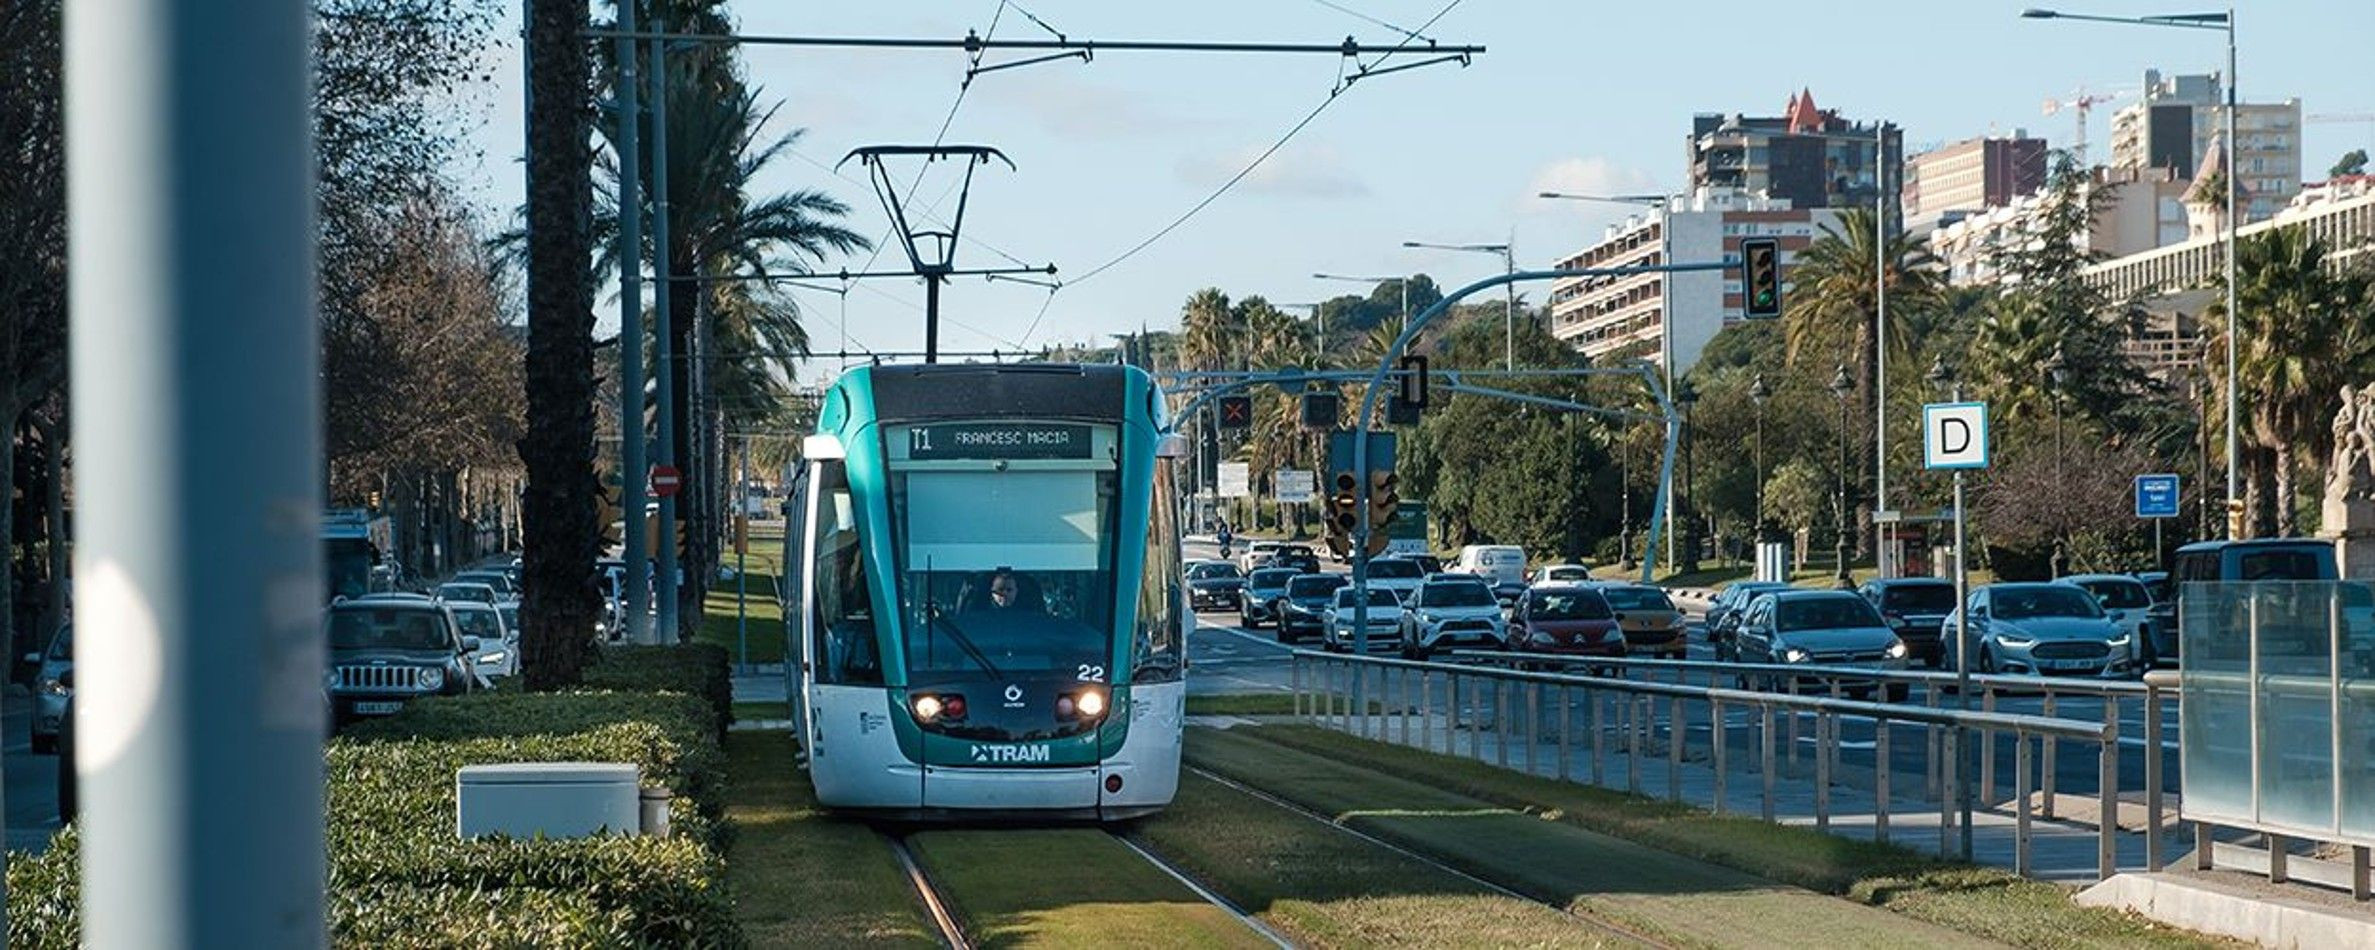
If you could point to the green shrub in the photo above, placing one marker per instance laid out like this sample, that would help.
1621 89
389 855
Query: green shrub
45 896
695 669
686 720
401 916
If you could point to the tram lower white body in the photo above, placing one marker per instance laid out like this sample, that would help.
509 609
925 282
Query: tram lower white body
855 763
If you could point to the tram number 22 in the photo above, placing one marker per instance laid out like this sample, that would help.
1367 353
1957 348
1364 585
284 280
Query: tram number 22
1091 674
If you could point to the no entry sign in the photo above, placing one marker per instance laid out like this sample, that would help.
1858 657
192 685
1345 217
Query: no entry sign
665 480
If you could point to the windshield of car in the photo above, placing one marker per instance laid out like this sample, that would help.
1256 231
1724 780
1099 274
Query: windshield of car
2044 600
1392 569
1217 570
388 629
62 647
482 624
1567 573
1271 578
1378 597
1637 598
1918 598
511 616
1456 594
1823 613
497 581
2118 595
480 593
1315 586
1567 605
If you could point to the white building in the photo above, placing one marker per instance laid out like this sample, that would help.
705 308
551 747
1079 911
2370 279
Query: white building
2172 127
1668 318
2146 210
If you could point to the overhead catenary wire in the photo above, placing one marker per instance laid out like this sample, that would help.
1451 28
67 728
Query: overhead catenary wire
1366 18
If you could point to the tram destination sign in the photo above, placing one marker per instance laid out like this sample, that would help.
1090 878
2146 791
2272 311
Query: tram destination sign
998 440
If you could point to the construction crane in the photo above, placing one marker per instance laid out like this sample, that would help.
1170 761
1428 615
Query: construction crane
2083 103
2363 118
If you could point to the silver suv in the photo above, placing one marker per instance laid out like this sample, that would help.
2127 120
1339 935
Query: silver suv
1452 610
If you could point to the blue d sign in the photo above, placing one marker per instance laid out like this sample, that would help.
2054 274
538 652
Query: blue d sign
2156 496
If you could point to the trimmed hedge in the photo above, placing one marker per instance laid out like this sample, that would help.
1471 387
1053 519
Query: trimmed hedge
694 669
400 877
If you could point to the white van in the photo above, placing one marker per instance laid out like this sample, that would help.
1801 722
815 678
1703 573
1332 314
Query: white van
1498 564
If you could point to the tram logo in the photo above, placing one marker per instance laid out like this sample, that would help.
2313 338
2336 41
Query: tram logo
1004 754
1014 696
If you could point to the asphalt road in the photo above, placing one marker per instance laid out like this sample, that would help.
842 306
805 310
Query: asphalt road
32 780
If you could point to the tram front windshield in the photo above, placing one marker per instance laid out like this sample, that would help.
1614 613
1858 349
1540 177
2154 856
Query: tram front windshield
1006 574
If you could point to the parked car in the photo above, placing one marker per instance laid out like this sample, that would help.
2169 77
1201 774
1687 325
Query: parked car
1820 628
1427 563
1560 574
1916 608
1652 624
2125 600
498 646
2042 628
1257 555
501 581
1385 620
1297 556
1568 619
469 591
53 687
2263 559
69 782
1452 610
1303 608
2157 584
387 650
1262 590
1214 585
1398 574
1724 613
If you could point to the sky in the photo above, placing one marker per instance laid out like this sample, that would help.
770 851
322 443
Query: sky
1573 95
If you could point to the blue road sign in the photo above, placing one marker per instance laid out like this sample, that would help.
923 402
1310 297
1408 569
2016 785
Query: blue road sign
2156 496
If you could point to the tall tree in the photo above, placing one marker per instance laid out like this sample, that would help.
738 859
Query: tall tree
558 449
1834 316
32 250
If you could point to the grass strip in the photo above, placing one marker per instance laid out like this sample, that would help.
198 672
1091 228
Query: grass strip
1242 704
756 711
801 877
1068 887
1982 901
763 619
1324 888
1669 896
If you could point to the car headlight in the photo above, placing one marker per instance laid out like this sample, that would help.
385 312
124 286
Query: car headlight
2119 639
52 687
1542 638
1795 655
432 678
496 657
1896 651
329 680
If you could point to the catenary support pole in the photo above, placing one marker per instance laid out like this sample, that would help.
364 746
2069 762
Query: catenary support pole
198 499
634 445
665 348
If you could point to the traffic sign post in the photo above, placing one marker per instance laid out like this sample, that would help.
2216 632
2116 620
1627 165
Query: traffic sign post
2156 498
1954 437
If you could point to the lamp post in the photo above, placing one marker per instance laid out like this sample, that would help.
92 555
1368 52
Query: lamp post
1401 282
1842 386
1509 311
1757 394
2224 22
1685 397
2056 374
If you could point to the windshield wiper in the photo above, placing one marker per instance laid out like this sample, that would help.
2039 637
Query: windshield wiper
966 644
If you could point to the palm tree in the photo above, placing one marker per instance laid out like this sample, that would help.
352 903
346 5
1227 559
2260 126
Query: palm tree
1831 311
1209 332
559 509
2304 335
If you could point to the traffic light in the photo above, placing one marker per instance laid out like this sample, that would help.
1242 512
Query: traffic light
1410 393
1321 410
1343 512
1760 278
1236 412
1382 504
610 514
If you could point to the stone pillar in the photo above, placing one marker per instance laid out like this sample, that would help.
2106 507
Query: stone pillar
2348 515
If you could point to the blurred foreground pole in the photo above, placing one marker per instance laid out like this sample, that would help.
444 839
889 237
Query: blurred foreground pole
198 581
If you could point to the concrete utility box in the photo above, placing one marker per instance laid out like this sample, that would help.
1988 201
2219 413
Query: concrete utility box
553 799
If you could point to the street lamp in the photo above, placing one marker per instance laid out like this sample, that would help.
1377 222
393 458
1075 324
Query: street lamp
2201 21
1757 394
1842 386
1509 314
2056 374
1685 397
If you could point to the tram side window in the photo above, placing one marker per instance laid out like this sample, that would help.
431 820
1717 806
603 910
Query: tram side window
1157 645
846 650
791 589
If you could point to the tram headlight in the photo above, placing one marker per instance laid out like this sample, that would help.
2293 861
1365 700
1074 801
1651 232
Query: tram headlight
927 708
1091 703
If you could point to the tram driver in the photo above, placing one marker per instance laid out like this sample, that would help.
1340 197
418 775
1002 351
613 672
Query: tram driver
1004 590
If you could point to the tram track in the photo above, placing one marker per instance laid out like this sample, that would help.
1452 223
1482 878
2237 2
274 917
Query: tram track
952 935
1210 897
1611 929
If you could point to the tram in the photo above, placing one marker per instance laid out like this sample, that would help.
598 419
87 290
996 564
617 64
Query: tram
984 609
